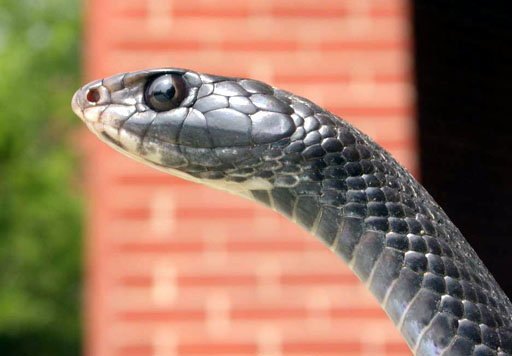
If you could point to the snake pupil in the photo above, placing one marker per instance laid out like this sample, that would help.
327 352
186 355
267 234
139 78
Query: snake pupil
165 92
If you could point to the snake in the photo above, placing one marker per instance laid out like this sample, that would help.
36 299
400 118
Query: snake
283 151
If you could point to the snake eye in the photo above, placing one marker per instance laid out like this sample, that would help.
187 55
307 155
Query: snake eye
165 92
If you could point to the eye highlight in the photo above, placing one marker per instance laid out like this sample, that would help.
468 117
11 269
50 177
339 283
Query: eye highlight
165 92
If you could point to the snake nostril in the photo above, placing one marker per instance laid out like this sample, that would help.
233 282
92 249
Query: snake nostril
93 96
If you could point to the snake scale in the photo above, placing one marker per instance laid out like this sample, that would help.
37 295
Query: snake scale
285 152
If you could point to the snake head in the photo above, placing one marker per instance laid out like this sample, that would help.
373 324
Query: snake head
228 132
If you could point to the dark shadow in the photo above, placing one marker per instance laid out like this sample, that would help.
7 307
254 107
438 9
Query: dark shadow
464 81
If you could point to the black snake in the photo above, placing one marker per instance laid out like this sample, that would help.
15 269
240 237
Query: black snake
282 150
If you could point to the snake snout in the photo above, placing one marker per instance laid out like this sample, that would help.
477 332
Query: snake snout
86 97
76 106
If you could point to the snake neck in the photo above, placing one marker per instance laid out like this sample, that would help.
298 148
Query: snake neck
368 210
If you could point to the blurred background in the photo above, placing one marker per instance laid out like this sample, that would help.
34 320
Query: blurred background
102 256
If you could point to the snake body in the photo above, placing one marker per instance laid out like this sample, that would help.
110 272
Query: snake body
282 150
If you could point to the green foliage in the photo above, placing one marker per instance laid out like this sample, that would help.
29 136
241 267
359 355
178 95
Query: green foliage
40 208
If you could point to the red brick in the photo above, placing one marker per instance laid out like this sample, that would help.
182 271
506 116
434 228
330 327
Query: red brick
240 280
161 315
309 348
216 349
183 213
139 350
307 9
287 29
322 279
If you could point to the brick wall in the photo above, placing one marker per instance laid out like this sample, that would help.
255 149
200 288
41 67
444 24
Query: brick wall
179 269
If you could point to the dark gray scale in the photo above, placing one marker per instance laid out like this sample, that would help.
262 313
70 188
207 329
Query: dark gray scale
377 209
194 131
350 231
327 131
204 90
460 347
268 127
472 312
228 127
335 184
331 145
450 268
355 210
284 201
413 225
418 244
386 270
398 225
307 210
490 336
326 230
453 287
301 109
367 252
376 223
311 124
435 264
192 78
299 134
506 339
211 102
204 156
284 96
256 87
165 126
333 197
397 241
312 138
483 350
421 311
233 154
469 291
470 330
308 188
229 88
140 122
312 152
285 181
168 154
374 179
242 104
251 162
210 78
416 261
270 103
437 284
262 196
438 335
402 292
